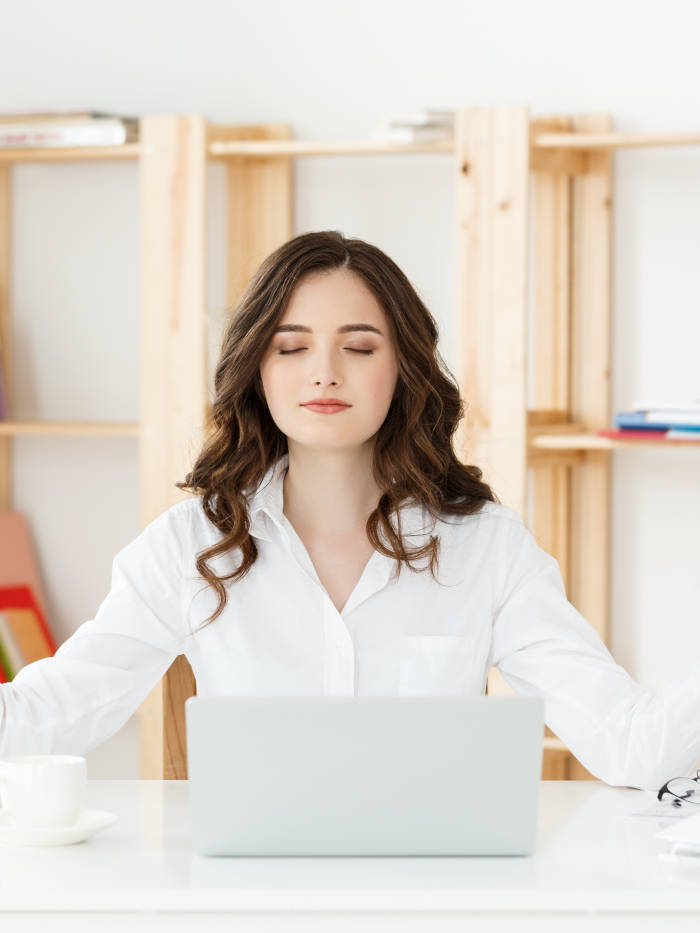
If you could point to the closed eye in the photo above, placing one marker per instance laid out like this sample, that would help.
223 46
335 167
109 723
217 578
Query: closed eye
351 349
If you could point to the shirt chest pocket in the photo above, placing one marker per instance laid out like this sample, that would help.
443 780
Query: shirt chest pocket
437 665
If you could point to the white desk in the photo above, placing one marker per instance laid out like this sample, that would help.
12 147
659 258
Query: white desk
594 867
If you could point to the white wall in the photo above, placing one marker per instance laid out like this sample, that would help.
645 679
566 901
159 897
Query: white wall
333 71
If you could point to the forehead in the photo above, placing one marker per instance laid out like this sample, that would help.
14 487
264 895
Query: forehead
332 297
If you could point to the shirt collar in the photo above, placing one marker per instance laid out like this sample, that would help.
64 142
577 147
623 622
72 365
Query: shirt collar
268 501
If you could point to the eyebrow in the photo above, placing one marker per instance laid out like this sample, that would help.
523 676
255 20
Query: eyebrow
346 328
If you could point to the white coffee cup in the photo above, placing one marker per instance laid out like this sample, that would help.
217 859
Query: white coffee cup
43 790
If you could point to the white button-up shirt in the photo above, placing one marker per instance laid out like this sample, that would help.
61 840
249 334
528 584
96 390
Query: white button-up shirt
500 601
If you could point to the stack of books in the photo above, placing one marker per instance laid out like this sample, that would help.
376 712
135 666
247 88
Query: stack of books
673 421
24 633
419 126
58 128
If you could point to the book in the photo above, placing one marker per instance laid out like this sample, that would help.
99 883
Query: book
102 131
688 418
682 434
18 563
23 640
57 116
412 134
5 666
13 659
22 597
677 434
659 420
657 405
426 116
28 633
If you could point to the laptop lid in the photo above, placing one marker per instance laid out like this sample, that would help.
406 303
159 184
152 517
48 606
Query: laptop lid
364 775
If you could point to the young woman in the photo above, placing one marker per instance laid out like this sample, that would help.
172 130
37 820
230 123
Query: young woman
335 545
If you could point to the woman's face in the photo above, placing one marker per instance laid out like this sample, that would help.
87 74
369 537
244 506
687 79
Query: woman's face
319 359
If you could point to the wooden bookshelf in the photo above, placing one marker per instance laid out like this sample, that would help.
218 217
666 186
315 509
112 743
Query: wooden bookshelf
536 202
496 153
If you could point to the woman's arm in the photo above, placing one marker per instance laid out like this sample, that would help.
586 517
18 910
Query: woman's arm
623 733
73 701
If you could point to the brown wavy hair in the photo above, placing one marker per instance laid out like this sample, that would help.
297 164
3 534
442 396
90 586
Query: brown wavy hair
413 455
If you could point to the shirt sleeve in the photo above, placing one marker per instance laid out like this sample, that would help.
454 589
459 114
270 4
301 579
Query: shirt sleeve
85 692
623 733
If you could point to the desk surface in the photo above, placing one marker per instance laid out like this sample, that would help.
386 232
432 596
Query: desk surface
590 855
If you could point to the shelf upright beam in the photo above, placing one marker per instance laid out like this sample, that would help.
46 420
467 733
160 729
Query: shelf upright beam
260 205
5 328
590 397
173 373
550 366
492 147
551 343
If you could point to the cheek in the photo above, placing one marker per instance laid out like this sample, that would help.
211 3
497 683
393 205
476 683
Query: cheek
275 379
381 381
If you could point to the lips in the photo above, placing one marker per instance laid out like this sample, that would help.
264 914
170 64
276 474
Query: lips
326 407
326 401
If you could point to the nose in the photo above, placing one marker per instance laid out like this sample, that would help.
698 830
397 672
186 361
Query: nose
325 369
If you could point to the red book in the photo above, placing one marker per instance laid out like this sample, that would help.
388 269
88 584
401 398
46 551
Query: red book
18 563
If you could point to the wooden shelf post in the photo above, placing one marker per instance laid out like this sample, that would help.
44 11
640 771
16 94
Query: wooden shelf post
173 373
590 404
492 161
175 390
551 319
492 149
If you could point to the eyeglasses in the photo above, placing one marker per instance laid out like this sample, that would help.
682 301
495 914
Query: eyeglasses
683 788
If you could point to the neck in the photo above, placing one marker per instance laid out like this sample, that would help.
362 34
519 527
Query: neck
330 493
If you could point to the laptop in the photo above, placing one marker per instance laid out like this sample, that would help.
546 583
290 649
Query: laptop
379 776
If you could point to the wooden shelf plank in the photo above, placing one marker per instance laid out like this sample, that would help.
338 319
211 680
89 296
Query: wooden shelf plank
573 441
317 147
70 428
613 140
226 149
72 153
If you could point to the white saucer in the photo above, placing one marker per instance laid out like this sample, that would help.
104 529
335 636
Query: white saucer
88 823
